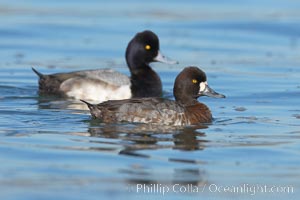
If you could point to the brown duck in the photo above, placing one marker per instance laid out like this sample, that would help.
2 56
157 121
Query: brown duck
185 110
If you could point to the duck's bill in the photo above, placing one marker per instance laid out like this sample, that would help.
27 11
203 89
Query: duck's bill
161 58
205 90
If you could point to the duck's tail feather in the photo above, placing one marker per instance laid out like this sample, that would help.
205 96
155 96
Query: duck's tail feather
94 110
38 73
88 104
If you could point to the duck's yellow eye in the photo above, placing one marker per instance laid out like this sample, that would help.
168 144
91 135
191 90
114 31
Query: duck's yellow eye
147 47
194 81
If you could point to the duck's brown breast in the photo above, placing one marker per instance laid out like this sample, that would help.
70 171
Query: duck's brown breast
198 113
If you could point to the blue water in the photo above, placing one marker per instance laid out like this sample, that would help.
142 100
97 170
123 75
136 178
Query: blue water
51 149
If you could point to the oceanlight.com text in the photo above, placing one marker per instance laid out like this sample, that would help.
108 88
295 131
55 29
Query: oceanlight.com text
247 189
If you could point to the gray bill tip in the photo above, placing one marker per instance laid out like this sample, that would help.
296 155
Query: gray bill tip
162 58
205 90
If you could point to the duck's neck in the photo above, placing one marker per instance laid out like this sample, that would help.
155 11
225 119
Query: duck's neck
145 82
188 101
184 99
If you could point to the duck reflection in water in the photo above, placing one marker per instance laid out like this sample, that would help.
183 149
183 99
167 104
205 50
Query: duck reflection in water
138 137
149 136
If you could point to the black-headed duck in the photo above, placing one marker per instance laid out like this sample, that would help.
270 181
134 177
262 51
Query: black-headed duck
106 84
185 110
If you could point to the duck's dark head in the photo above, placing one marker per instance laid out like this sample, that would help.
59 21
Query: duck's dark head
190 84
143 49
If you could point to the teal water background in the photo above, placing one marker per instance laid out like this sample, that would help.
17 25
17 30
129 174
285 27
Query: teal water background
50 148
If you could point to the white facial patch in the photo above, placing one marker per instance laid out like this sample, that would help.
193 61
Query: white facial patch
203 86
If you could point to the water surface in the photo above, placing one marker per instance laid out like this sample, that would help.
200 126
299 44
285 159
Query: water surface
50 148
